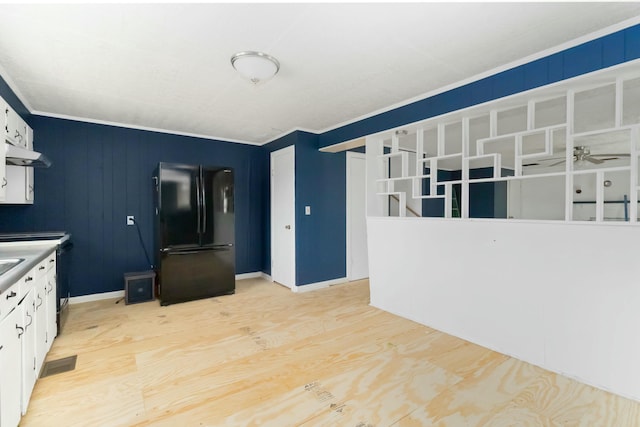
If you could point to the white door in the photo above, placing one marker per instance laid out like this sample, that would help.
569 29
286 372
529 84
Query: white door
283 237
357 259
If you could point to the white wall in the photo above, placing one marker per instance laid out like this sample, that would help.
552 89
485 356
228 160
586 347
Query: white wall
562 296
537 198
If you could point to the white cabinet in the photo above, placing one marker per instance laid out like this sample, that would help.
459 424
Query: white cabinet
19 189
16 182
51 306
27 329
15 127
28 347
11 362
40 314
3 172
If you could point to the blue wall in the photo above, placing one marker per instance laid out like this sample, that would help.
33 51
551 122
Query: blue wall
320 180
600 53
101 173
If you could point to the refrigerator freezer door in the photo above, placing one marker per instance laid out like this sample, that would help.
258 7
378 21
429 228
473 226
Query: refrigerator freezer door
179 205
194 274
218 201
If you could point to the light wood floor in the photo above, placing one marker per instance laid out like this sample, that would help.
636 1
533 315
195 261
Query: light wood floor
268 357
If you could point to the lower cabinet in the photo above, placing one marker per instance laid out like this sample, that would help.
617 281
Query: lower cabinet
41 322
27 329
11 333
29 373
51 306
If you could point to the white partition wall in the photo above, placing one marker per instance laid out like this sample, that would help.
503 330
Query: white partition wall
556 280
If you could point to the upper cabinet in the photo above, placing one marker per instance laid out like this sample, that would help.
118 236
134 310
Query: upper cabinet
16 129
3 172
16 182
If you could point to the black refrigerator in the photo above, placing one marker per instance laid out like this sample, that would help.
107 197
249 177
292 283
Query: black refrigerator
195 236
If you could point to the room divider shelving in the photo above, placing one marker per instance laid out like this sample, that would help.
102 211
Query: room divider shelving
553 147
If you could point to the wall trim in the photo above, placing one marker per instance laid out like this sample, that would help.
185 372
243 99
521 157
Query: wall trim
143 128
252 275
96 297
522 61
497 70
266 276
319 285
272 156
349 161
120 294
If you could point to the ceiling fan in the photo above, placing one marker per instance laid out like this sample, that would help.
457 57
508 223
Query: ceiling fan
583 153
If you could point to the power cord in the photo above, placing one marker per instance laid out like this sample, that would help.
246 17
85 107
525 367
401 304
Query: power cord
144 248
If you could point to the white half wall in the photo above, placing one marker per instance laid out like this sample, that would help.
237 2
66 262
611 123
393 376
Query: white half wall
562 296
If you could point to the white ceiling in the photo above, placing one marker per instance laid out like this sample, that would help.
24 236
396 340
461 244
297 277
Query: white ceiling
167 66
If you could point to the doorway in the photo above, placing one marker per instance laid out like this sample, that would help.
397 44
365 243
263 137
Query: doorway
283 240
357 255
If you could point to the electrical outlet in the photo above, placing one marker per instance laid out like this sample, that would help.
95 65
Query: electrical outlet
130 220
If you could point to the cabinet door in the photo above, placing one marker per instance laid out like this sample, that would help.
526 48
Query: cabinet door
3 171
52 326
28 179
11 362
28 348
19 189
41 322
22 133
11 124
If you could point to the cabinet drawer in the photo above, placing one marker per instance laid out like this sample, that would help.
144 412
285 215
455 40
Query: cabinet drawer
40 270
9 299
27 282
51 261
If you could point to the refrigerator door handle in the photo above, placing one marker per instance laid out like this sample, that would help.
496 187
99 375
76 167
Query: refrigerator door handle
184 253
204 203
198 184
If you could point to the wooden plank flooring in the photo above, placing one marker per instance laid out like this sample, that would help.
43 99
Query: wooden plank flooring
269 357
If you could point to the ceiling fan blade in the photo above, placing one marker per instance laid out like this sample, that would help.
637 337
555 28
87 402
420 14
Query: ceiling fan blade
593 160
614 155
556 163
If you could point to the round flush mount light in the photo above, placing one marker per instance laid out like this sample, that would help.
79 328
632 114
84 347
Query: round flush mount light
255 66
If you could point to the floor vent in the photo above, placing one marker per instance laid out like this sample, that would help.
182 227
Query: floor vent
59 366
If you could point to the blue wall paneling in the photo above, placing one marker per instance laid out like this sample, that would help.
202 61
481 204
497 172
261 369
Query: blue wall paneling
102 173
320 181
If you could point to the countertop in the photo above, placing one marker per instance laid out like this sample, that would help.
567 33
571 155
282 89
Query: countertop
32 252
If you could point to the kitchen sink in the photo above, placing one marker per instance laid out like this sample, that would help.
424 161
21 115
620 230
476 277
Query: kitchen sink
7 264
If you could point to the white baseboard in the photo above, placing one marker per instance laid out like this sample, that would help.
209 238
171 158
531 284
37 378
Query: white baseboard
120 294
319 285
96 297
253 275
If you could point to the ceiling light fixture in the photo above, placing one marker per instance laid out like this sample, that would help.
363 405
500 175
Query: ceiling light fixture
256 66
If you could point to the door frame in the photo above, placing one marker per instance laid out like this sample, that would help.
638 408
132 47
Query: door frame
352 155
273 154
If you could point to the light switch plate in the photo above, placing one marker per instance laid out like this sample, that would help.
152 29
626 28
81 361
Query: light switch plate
130 220
307 210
